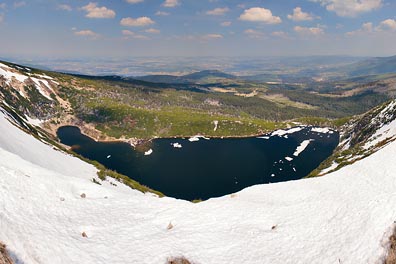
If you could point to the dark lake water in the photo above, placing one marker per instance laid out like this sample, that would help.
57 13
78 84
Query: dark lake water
209 168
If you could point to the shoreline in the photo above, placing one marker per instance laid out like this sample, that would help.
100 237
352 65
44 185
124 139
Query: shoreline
139 142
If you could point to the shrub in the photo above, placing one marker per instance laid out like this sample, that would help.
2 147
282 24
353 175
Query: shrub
178 260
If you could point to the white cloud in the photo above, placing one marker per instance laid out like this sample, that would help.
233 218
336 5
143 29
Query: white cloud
366 28
252 33
387 25
136 22
19 4
134 1
65 7
94 11
218 11
130 34
280 34
259 14
226 23
152 31
201 38
1 18
162 13
350 8
309 30
212 36
299 15
87 33
171 3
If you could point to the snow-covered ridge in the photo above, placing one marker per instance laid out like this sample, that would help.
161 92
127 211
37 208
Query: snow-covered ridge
18 79
375 126
344 217
365 135
385 122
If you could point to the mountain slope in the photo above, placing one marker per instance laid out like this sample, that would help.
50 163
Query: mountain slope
344 217
379 65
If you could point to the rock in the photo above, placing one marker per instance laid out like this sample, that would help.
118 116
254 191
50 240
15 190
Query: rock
4 256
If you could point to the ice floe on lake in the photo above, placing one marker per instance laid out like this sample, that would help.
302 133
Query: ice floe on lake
302 147
148 152
176 145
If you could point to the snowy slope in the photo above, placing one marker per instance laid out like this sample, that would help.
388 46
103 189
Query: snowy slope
41 82
344 217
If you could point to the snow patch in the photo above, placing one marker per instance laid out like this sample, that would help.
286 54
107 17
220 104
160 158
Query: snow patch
216 123
333 166
43 92
196 138
33 121
282 132
9 74
323 130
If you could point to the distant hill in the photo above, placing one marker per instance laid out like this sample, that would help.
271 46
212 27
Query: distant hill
377 65
208 74
189 78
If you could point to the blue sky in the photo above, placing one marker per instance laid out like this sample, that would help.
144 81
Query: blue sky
127 28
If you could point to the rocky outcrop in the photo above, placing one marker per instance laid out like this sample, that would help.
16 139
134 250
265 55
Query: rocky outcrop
4 256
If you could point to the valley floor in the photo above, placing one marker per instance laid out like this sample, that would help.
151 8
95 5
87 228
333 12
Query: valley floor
344 217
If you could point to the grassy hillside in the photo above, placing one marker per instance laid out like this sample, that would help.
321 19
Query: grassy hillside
219 106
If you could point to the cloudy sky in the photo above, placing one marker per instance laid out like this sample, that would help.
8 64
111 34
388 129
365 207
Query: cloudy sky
127 28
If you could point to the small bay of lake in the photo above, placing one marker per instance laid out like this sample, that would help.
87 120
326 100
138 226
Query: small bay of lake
208 168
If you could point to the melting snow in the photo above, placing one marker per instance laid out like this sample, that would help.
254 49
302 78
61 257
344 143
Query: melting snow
385 132
32 121
196 138
302 147
282 132
10 73
344 217
216 123
323 130
333 166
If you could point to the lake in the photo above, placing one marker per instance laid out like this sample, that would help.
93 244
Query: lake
199 168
